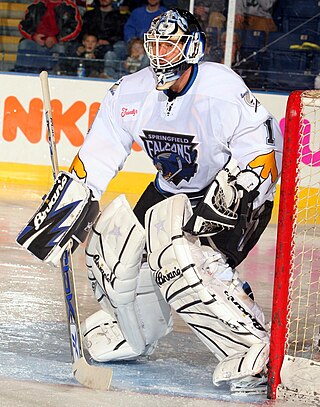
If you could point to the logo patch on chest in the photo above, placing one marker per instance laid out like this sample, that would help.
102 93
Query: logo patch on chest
173 155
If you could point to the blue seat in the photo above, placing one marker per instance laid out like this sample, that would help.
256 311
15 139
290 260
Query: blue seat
276 81
301 8
287 70
33 62
252 40
285 61
301 24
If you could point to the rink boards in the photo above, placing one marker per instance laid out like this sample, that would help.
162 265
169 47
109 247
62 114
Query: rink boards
75 103
24 153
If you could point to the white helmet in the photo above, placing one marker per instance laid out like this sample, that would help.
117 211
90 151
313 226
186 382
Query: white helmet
180 33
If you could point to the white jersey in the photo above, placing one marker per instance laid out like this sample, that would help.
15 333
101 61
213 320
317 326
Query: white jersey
189 139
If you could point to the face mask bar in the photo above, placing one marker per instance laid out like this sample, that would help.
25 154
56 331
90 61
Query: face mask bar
166 52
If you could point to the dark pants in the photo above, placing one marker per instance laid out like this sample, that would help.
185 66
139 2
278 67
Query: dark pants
33 58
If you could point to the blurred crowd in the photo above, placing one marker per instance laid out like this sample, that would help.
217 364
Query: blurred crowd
104 38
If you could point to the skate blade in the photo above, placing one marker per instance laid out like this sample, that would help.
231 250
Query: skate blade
260 389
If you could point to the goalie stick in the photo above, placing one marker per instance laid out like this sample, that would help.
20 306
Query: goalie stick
90 376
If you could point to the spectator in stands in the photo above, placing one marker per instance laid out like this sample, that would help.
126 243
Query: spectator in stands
136 60
210 13
107 24
201 12
88 49
255 15
46 27
86 55
216 53
218 13
140 19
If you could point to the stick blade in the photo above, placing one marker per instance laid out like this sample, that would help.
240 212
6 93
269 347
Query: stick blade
94 377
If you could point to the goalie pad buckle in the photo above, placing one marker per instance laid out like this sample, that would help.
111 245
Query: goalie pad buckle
63 209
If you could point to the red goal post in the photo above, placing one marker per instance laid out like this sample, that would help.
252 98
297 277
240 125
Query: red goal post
294 367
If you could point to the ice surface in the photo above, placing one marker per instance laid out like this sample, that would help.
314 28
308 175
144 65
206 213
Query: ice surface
35 365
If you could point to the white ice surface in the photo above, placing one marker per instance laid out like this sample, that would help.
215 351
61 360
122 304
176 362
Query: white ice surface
34 351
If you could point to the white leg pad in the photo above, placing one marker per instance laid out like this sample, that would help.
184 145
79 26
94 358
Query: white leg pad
199 285
113 256
127 295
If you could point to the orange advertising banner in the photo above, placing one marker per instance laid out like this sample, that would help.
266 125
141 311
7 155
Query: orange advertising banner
75 102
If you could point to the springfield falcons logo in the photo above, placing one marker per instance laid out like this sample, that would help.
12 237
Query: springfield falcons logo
174 155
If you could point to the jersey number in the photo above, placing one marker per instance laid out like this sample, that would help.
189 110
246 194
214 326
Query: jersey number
270 136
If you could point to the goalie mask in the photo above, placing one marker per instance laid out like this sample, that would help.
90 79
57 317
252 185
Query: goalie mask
173 43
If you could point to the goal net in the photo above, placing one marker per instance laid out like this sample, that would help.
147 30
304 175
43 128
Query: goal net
294 371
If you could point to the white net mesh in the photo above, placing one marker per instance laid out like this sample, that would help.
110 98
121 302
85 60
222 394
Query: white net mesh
304 315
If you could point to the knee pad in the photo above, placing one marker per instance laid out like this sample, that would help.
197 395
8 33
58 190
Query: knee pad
114 251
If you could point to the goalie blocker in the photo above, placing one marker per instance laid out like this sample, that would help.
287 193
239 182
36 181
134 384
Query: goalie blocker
65 216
